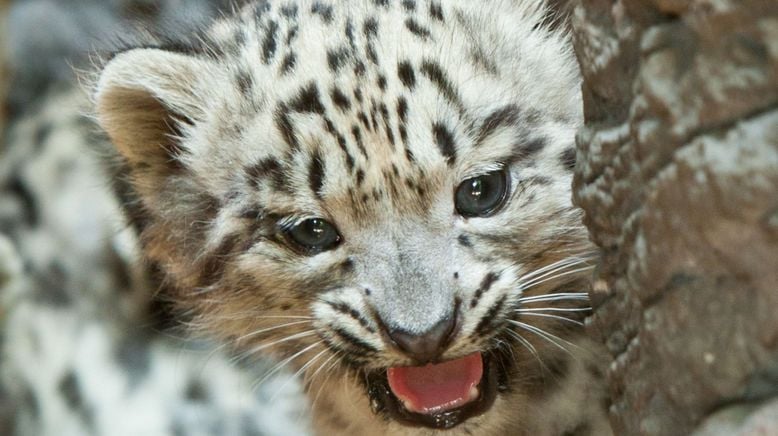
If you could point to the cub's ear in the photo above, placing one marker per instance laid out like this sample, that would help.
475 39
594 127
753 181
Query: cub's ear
145 97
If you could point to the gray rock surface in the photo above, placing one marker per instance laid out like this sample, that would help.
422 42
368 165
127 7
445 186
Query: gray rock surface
678 175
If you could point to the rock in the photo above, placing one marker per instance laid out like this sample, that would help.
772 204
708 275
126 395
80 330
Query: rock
678 176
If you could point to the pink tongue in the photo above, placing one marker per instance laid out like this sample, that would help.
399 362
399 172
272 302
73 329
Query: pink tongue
434 388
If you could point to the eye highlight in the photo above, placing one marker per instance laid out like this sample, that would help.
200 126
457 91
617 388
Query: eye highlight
483 195
313 236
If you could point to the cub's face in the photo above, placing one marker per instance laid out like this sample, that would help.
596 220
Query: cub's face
379 190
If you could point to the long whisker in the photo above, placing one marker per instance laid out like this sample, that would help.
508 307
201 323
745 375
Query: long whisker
561 264
267 329
555 297
545 335
286 339
328 373
282 364
297 373
555 309
527 344
546 315
553 267
543 279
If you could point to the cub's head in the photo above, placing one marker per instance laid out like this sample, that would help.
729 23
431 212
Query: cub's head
381 190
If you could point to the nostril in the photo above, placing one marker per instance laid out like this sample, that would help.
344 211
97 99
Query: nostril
426 346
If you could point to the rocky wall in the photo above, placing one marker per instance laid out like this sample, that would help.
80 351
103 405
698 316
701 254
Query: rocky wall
678 175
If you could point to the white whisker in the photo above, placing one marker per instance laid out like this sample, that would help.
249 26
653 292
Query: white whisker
282 364
553 267
288 338
554 309
267 329
298 372
544 334
544 278
555 297
546 315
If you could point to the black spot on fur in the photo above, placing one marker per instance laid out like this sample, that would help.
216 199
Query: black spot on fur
19 189
290 60
331 129
291 34
525 150
507 115
370 28
133 356
307 100
456 275
360 177
347 266
284 126
216 261
260 8
371 53
245 82
402 109
70 390
409 5
358 95
316 174
337 58
359 68
196 391
289 10
406 74
322 10
464 241
356 133
349 31
383 3
261 170
436 11
340 99
490 319
270 43
486 284
368 291
365 121
417 29
567 158
42 134
445 142
381 82
354 341
531 147
438 77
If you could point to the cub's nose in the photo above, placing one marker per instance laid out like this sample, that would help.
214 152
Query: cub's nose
427 346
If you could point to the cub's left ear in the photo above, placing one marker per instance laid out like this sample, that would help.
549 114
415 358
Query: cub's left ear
142 98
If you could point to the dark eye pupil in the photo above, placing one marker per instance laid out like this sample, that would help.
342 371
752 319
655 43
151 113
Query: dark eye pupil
482 195
314 235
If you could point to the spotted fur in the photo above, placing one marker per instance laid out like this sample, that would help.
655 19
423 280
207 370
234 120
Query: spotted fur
369 115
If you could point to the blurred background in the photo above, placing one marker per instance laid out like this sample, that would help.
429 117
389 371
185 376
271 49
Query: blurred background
84 347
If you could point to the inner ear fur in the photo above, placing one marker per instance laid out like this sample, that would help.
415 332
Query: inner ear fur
141 127
142 99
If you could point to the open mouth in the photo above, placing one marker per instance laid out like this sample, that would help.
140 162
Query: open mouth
439 395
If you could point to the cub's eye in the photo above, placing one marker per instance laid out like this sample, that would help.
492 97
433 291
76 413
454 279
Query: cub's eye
483 195
314 235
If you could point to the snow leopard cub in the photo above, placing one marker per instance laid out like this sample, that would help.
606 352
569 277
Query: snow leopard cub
377 193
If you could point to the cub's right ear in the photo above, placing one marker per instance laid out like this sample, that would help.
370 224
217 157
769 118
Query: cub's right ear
145 97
